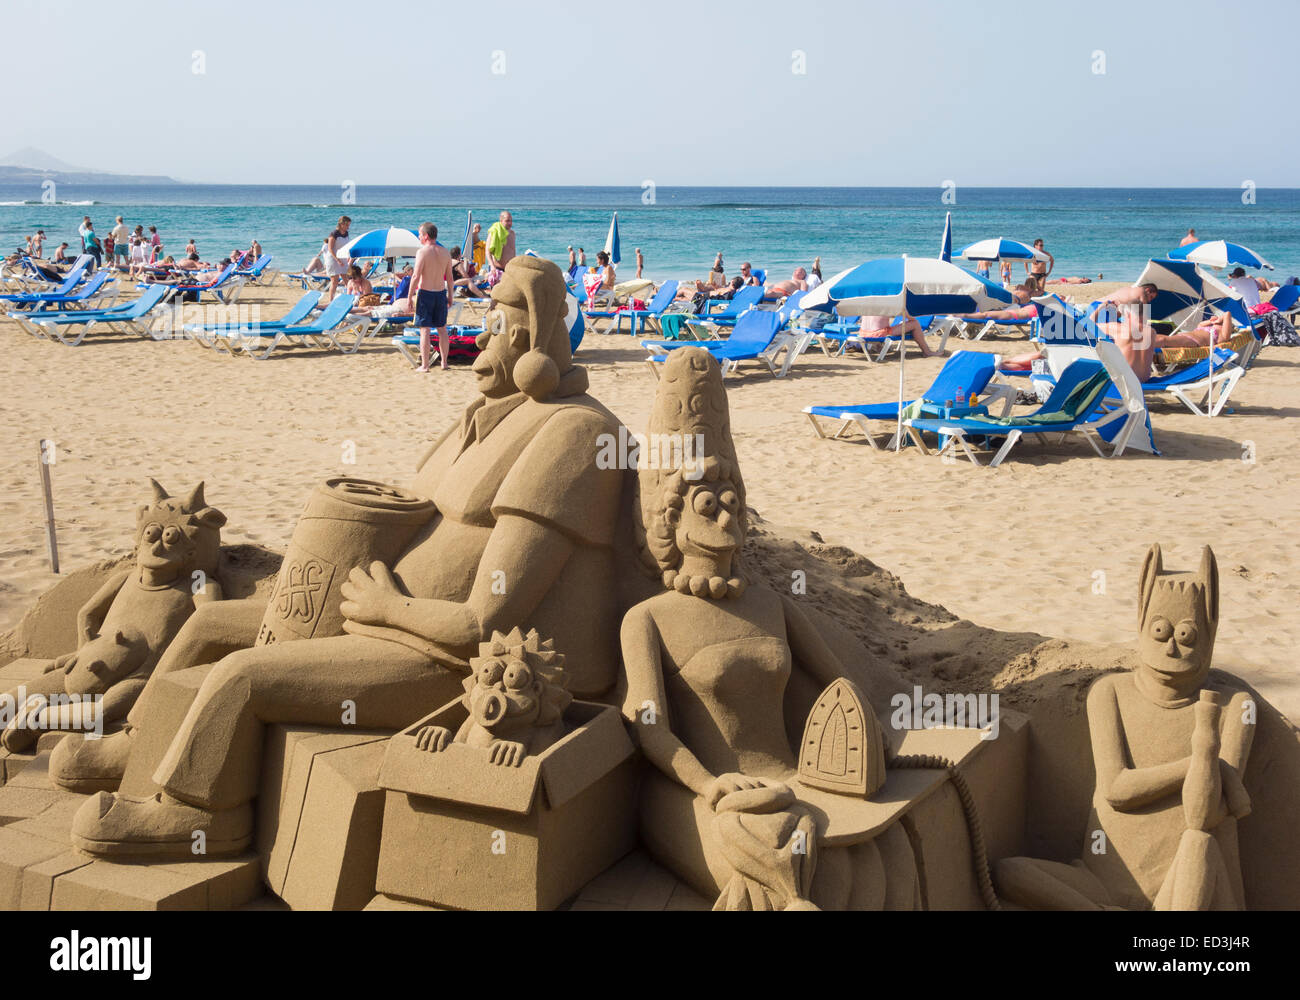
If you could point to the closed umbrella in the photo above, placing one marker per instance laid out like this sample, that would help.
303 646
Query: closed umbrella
611 241
945 245
467 244
907 287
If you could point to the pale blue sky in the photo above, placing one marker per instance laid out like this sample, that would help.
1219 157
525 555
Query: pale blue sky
1194 94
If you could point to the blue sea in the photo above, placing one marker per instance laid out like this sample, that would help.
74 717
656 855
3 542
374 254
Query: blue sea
1090 231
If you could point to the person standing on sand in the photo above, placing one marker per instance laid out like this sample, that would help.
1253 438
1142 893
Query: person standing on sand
121 234
500 246
430 288
38 244
335 266
1189 238
155 241
1040 269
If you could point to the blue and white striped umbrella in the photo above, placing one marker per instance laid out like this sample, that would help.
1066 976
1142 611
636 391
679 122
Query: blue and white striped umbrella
611 241
905 286
945 245
1184 291
1220 253
1000 248
390 242
467 245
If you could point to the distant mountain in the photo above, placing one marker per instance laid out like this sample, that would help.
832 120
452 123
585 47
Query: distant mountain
32 165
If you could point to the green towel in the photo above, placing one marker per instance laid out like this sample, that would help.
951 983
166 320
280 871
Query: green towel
496 241
1081 400
672 325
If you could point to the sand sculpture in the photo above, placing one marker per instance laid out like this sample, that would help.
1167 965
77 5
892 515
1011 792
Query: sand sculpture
1170 741
515 696
436 632
532 798
125 627
728 806
519 530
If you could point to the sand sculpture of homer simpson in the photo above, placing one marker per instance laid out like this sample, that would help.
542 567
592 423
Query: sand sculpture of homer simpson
520 528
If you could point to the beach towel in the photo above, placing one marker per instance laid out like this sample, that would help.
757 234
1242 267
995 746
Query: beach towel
496 240
592 283
672 324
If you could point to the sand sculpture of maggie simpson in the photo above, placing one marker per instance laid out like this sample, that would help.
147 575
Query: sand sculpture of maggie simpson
529 650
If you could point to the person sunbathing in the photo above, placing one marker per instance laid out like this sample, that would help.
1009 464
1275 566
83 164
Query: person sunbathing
1133 295
358 284
1023 309
608 277
1069 281
1138 341
464 275
798 282
880 326
399 306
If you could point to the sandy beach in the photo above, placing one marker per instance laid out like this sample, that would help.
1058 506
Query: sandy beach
1050 542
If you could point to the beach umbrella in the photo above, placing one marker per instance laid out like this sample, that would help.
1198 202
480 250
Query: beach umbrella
611 241
1220 253
1183 291
467 245
390 242
907 287
999 249
945 245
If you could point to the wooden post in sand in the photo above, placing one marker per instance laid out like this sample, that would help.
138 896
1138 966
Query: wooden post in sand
46 453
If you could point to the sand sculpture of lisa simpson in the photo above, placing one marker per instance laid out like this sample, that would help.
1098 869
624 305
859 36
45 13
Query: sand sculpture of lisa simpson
125 627
517 525
1170 740
707 664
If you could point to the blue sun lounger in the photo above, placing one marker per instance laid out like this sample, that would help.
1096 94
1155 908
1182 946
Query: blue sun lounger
323 331
224 336
655 308
89 293
408 344
256 273
30 298
836 338
225 287
746 298
758 336
126 317
1077 403
965 372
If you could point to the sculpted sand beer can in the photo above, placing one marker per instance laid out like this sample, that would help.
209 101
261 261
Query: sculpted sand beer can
346 523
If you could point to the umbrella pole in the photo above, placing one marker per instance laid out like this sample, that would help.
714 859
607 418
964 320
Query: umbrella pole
902 356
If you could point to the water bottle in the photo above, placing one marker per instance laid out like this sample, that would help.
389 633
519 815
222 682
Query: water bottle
961 396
